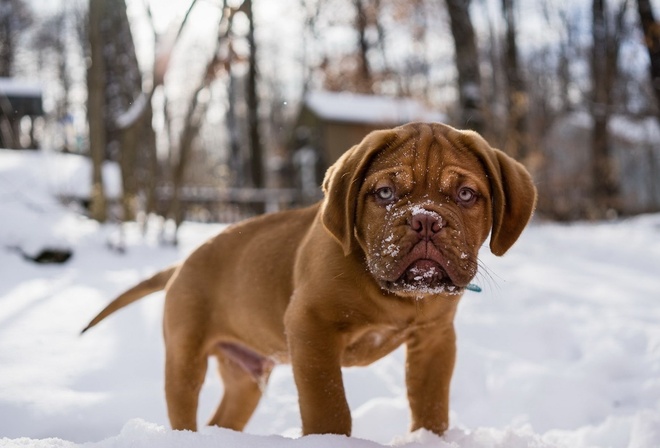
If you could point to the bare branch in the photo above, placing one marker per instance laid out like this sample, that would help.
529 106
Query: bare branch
162 58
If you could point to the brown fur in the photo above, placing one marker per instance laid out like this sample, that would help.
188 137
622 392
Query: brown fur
343 282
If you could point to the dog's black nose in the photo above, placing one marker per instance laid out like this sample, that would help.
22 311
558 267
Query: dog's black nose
426 224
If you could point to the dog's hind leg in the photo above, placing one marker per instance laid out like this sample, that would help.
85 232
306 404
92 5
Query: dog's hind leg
185 369
244 375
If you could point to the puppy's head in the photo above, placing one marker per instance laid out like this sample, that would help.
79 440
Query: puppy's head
419 201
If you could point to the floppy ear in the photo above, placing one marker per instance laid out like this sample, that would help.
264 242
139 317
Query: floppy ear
342 184
516 196
513 193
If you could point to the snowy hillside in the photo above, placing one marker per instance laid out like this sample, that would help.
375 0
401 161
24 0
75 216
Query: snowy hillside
561 349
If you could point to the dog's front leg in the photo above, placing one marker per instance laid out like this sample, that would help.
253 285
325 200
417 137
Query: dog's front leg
315 350
430 358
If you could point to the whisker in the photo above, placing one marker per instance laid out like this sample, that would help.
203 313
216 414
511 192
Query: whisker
489 276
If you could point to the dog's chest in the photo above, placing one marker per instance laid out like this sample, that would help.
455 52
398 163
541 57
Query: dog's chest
371 344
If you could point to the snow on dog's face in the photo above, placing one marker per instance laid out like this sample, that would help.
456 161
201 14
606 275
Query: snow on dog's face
420 200
424 212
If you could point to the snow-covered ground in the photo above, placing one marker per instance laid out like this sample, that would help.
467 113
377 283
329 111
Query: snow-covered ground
561 349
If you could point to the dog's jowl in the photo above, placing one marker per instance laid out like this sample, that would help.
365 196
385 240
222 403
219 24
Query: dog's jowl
381 261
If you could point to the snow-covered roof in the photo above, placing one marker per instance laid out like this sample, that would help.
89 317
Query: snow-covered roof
14 87
372 109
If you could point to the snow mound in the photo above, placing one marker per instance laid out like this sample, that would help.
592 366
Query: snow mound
140 434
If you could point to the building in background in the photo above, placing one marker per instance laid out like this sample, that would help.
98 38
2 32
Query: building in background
329 123
20 105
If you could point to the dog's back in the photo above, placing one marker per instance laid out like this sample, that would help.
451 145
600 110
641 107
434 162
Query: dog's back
241 276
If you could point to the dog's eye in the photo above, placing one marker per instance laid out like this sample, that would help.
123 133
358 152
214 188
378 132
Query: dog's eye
466 195
385 194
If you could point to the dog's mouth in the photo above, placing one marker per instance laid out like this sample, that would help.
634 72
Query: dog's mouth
423 277
422 270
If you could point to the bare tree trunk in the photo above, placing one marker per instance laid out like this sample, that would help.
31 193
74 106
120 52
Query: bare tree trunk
96 109
517 134
139 126
192 125
152 171
125 102
15 17
256 150
604 71
380 30
129 140
651 29
364 80
236 156
7 49
186 140
493 84
602 167
63 63
467 64
566 51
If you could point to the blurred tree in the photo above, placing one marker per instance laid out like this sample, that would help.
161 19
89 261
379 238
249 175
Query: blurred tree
517 130
15 17
125 105
311 10
413 78
60 43
568 52
352 70
651 30
607 34
140 116
96 108
252 102
220 62
119 112
234 128
117 81
50 42
363 72
466 57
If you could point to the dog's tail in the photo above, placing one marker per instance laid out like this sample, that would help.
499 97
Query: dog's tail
153 284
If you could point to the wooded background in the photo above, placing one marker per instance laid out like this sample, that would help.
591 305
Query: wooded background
206 94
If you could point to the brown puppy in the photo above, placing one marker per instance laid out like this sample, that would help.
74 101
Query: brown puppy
381 261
